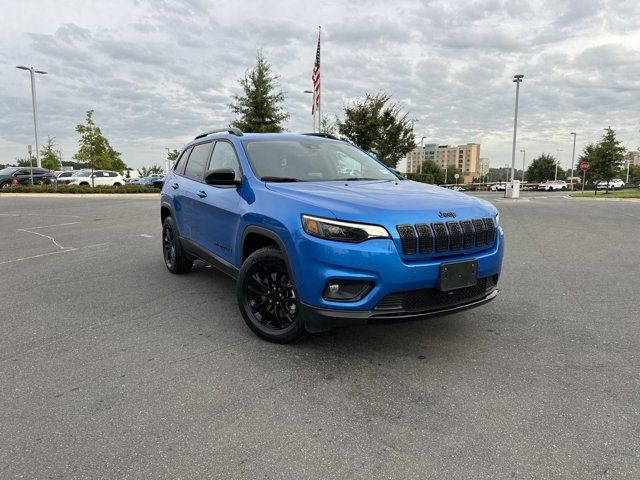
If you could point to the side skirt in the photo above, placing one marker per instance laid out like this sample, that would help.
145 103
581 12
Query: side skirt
206 256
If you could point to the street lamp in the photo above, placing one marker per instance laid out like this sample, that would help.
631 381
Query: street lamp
524 152
313 118
557 162
573 157
32 71
517 79
421 153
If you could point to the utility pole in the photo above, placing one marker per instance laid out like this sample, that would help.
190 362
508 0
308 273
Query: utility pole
421 153
33 71
573 157
517 79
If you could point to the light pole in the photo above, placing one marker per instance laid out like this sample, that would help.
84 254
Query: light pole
445 174
421 153
524 152
313 119
33 71
573 157
557 162
517 79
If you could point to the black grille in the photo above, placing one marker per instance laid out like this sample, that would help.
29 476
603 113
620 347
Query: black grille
469 233
408 239
442 237
455 235
491 229
452 236
425 238
481 231
432 298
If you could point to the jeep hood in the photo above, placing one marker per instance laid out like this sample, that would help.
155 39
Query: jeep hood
385 202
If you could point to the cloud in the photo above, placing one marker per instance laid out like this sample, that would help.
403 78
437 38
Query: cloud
157 72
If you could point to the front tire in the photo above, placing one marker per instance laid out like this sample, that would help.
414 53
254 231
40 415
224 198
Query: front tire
175 258
268 299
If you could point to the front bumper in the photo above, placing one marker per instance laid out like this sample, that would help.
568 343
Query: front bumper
321 319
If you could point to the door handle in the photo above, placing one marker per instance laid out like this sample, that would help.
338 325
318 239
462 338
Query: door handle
201 193
175 186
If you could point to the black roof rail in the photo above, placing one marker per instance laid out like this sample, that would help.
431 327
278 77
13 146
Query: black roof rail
323 135
232 130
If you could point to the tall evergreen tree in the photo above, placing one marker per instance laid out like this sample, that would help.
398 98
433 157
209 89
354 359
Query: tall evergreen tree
606 158
49 155
260 107
94 150
378 126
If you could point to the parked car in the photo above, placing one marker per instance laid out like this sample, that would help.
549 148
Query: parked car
614 184
497 187
99 177
553 185
311 250
22 175
143 181
60 175
158 182
458 188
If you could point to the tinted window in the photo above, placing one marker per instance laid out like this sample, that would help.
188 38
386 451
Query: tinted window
182 161
113 174
197 161
224 156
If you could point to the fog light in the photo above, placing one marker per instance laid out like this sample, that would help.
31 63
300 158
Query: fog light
346 291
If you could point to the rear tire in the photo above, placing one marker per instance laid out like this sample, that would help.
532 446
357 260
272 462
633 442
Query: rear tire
175 258
268 299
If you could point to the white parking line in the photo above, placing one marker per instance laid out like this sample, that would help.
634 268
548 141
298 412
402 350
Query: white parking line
68 249
47 226
45 236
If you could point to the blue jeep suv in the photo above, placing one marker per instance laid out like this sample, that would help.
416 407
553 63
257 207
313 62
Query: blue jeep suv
319 234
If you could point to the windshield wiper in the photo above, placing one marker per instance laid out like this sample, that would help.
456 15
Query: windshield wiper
355 179
280 179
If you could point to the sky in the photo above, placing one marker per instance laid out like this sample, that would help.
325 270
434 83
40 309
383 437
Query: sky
157 73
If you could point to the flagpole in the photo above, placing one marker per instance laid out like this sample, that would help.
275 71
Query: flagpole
319 88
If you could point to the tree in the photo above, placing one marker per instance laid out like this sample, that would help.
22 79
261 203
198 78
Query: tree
173 154
379 127
260 106
329 124
25 162
49 155
543 168
146 171
429 167
634 173
451 174
605 158
94 149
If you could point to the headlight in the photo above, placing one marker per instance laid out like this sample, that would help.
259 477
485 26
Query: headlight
497 219
342 231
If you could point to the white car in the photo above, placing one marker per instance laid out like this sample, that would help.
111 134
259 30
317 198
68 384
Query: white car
553 185
613 184
99 177
497 187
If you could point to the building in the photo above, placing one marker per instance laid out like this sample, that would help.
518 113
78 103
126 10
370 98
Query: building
418 155
465 157
483 167
633 158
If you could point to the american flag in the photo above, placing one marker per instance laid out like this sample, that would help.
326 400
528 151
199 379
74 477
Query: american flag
315 76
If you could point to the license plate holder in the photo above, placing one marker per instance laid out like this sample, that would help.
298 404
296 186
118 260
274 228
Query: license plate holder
456 275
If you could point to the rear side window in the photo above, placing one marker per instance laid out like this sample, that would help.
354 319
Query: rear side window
182 161
197 161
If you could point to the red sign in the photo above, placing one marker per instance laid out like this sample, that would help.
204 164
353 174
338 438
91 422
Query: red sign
584 166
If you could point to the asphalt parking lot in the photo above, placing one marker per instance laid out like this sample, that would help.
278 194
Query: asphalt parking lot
113 368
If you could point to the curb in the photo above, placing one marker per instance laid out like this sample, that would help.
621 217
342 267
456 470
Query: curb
600 199
81 195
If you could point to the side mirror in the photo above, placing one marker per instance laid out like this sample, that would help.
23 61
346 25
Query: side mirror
221 176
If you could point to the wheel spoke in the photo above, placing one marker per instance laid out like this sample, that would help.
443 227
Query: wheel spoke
259 307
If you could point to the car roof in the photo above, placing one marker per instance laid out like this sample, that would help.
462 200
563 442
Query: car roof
261 136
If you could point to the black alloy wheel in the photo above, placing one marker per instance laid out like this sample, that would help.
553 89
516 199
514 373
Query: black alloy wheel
267 297
174 256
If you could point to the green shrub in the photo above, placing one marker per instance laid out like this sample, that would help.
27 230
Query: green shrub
79 189
421 177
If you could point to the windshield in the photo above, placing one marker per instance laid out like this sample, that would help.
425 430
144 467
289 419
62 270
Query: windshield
82 173
312 161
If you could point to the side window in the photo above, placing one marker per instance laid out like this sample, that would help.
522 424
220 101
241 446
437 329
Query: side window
224 156
182 161
113 174
197 161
